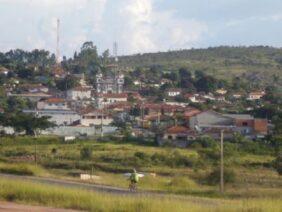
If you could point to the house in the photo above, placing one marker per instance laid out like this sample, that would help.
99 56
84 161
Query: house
34 97
137 82
210 121
159 108
119 107
173 92
237 95
255 95
95 118
59 72
178 136
103 100
195 98
81 79
221 91
156 121
4 70
109 84
59 117
79 93
34 88
52 104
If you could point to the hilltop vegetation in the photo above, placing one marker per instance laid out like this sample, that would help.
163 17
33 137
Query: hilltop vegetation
260 63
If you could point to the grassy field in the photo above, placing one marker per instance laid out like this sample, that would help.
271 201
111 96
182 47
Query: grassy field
31 193
177 171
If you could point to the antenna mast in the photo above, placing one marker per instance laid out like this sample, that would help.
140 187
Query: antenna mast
58 42
115 51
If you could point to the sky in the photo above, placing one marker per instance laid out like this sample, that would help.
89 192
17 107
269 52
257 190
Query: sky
139 26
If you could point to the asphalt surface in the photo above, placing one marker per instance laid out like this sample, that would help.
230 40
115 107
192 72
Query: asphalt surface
72 184
107 189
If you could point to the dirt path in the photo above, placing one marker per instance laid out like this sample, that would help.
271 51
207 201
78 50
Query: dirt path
13 207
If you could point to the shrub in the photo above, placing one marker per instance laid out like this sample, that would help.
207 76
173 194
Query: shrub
181 182
207 142
20 169
86 152
214 177
278 164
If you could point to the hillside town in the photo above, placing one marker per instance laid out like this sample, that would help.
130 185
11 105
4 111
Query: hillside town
109 107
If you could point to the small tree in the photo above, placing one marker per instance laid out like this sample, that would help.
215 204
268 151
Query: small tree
214 177
86 153
278 164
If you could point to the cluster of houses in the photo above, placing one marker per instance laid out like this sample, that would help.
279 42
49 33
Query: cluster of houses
171 122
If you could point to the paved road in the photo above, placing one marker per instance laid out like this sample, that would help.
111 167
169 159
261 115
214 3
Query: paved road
69 184
108 189
13 207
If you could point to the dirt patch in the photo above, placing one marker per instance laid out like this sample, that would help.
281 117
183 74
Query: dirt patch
13 207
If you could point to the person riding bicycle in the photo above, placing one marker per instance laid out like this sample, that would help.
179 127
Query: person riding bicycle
134 178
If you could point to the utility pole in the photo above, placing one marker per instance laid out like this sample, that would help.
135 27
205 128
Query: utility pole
221 163
102 116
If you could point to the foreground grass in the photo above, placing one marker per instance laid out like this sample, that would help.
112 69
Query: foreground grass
39 194
21 169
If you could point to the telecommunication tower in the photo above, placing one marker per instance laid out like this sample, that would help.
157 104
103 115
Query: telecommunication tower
115 51
58 42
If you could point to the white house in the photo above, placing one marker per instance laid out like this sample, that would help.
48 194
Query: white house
221 91
96 117
256 95
173 92
110 98
59 117
79 93
53 104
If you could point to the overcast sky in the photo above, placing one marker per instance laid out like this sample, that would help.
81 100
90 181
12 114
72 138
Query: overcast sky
139 25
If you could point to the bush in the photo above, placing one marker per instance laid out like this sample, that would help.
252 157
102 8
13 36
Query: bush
214 177
181 182
20 169
278 164
86 153
173 159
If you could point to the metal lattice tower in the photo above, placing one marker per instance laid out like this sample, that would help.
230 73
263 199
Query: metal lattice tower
58 42
115 51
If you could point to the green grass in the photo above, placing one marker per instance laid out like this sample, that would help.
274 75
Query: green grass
177 171
21 169
39 194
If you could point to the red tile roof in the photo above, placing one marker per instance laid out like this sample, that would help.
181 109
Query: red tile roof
177 130
114 95
81 89
55 100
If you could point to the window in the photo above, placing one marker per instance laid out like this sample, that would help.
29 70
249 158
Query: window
169 137
245 124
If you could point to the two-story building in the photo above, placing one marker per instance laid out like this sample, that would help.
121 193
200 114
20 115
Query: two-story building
52 104
79 93
106 99
96 118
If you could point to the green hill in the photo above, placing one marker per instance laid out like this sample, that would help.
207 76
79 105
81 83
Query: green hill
254 63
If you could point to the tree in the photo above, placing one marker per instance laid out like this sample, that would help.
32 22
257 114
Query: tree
214 177
278 164
206 83
67 83
29 123
25 122
86 153
105 56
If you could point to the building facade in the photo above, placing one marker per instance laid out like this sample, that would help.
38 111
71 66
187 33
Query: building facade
109 84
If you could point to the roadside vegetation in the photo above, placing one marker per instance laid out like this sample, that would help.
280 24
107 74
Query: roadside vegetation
31 193
251 168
